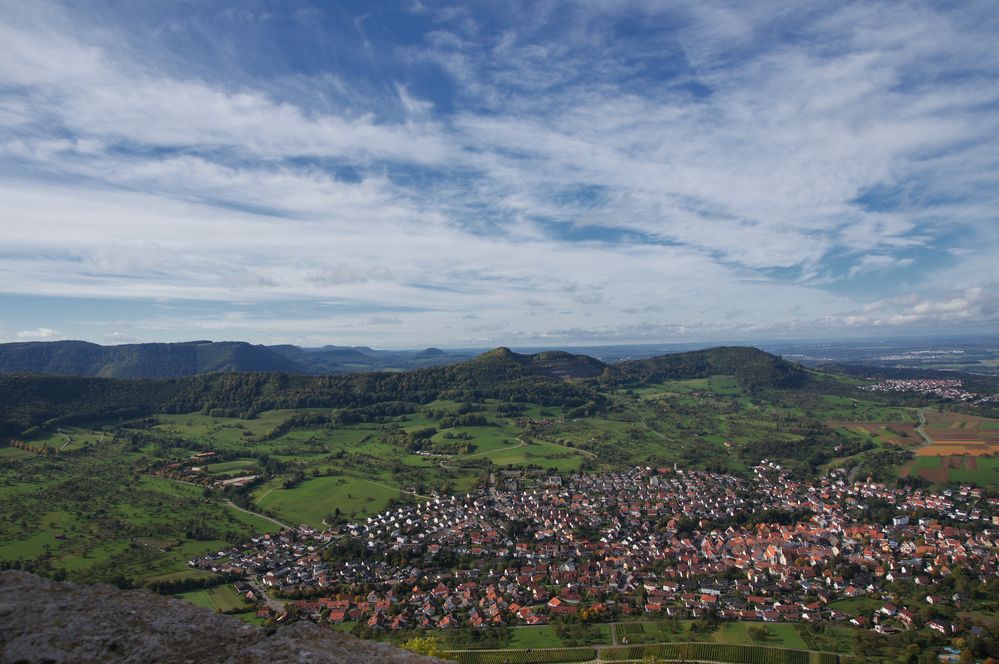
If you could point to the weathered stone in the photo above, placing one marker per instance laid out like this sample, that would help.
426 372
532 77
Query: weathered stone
45 621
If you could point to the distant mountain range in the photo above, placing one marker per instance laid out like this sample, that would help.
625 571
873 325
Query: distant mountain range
155 360
963 358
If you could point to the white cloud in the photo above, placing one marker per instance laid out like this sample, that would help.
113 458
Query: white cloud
41 334
978 307
344 274
878 263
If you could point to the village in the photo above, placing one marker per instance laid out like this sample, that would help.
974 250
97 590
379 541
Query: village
945 388
645 542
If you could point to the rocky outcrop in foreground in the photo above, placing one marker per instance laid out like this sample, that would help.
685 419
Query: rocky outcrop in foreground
45 621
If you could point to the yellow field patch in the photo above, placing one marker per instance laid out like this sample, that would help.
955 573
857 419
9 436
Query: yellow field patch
971 447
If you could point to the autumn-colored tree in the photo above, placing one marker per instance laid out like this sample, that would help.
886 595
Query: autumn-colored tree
425 645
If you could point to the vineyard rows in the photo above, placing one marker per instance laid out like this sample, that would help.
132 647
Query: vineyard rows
629 628
806 636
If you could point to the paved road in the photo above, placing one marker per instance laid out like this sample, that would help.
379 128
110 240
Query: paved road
919 428
394 488
258 589
574 449
236 507
498 449
262 516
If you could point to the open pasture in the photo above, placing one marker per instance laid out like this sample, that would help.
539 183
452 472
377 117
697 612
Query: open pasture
224 432
530 656
539 453
835 408
220 598
13 453
67 439
542 636
983 471
783 635
963 468
236 466
902 434
713 652
313 499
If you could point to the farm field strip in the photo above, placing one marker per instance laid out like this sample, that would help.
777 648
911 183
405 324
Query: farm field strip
731 645
716 652
529 656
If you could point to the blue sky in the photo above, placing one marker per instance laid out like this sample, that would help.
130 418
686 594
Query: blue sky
402 174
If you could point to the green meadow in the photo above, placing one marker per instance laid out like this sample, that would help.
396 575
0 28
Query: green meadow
314 499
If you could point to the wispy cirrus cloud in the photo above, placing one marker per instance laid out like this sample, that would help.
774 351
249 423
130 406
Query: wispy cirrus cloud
625 168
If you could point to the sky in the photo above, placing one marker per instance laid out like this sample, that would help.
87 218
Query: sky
411 173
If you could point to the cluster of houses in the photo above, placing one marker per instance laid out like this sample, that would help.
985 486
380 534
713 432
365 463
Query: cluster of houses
944 388
662 542
194 470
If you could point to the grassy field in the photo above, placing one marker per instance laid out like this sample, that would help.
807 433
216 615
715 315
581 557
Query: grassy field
220 598
542 636
986 472
832 638
902 434
224 599
533 656
857 606
638 632
14 453
237 466
71 438
956 468
187 574
315 498
783 635
546 636
538 453
713 652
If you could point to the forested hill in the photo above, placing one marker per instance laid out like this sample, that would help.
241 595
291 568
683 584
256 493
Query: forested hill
549 378
155 360
552 363
30 400
750 366
79 358
174 360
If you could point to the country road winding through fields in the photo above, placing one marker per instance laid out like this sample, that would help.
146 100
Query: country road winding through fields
919 428
258 514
